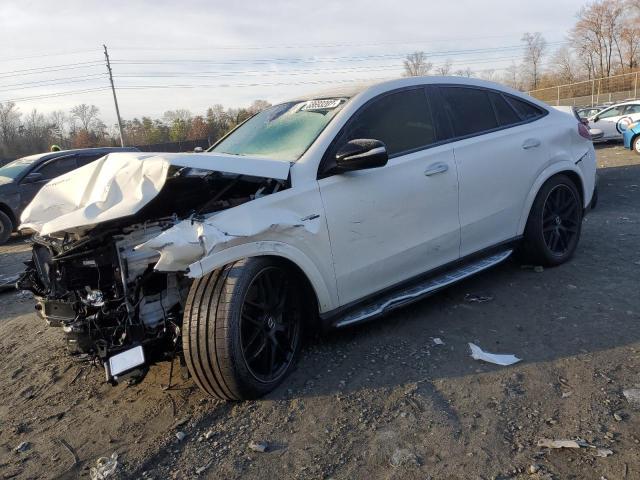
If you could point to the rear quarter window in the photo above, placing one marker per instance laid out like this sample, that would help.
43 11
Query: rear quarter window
526 110
505 112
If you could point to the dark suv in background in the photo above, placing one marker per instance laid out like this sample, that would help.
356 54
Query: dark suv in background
21 179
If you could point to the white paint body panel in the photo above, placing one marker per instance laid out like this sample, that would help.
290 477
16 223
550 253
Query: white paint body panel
496 173
391 223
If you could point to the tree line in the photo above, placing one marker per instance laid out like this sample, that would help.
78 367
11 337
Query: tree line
604 41
81 127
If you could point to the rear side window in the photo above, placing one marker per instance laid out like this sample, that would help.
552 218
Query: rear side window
505 113
58 167
526 110
401 120
470 110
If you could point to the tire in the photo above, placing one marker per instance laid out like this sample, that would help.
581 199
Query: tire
6 226
635 144
242 328
554 224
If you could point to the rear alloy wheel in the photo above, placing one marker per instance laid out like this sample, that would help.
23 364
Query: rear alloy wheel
243 328
554 224
5 227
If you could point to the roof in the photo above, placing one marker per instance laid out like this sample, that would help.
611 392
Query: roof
351 90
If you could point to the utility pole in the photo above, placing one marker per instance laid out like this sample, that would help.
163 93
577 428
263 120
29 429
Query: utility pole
115 99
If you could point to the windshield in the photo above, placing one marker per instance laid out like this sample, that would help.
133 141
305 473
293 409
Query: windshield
282 132
14 169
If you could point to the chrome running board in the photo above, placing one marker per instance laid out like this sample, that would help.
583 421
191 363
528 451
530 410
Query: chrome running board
421 289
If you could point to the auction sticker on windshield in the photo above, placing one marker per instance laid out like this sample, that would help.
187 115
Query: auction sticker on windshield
326 104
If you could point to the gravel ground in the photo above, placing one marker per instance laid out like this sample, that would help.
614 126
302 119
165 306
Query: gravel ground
380 400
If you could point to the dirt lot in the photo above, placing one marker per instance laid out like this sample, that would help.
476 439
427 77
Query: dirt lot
380 400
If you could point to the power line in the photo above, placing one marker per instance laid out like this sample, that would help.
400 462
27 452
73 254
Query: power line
53 68
258 61
43 55
52 82
320 45
52 95
331 70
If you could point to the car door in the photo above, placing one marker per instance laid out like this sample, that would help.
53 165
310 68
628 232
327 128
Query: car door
499 149
608 120
48 170
395 222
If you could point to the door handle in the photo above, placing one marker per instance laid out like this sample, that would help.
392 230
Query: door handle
436 168
531 143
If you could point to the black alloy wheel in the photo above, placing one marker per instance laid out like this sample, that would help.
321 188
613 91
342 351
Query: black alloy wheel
553 228
269 325
561 219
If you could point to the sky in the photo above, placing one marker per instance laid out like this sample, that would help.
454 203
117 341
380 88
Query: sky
194 53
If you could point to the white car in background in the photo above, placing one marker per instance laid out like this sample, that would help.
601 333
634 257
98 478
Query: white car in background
332 209
613 121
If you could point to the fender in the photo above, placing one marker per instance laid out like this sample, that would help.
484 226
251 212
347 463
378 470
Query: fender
327 297
558 166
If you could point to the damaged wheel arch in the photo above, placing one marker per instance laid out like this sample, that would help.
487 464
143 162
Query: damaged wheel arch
324 296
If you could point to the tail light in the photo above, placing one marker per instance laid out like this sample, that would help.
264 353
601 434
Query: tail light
584 131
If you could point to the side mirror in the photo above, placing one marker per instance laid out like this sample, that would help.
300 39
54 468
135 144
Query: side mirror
198 150
361 154
595 119
33 177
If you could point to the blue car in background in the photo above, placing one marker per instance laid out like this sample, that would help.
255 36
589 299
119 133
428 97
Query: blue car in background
631 137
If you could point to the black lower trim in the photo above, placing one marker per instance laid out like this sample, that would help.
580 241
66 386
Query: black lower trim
328 319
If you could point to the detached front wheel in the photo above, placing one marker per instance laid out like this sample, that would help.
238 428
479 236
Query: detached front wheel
243 328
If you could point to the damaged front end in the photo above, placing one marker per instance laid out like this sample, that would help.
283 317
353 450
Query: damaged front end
100 284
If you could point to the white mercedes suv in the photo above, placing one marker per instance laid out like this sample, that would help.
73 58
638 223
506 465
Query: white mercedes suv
334 208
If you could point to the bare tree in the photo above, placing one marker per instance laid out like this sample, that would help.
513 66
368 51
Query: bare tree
511 76
466 72
445 68
416 65
9 126
87 115
58 122
597 34
489 74
258 106
564 65
535 45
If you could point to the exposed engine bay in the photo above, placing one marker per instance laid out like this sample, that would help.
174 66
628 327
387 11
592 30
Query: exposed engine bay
98 283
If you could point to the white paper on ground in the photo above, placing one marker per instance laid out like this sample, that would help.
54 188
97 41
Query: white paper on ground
478 354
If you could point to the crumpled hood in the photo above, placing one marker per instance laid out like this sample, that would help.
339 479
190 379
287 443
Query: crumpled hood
120 184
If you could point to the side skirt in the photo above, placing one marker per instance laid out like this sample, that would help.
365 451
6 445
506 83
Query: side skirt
417 289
